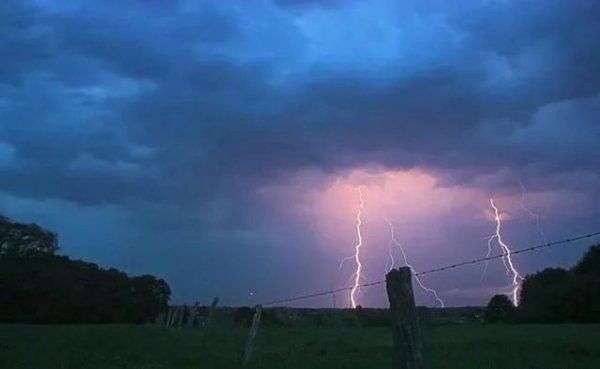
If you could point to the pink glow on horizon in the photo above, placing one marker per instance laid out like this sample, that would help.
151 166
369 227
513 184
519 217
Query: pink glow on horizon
413 199
437 222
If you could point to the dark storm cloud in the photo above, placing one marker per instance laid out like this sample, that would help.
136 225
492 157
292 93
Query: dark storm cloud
452 113
203 99
178 111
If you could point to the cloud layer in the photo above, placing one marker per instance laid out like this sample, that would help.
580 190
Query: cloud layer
176 115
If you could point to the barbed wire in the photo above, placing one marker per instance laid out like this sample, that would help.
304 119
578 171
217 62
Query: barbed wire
323 293
435 270
515 252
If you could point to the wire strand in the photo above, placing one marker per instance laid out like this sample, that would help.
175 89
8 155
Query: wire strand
435 270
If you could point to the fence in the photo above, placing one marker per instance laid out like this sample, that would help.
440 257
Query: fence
406 352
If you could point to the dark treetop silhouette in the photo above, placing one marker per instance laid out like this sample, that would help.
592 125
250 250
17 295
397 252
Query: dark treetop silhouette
38 286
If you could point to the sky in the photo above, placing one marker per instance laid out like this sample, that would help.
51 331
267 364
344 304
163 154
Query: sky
221 145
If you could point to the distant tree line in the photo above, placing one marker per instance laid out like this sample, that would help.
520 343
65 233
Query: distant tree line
39 286
555 295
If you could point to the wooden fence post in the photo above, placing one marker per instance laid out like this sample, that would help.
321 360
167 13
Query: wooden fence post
160 319
181 314
192 315
212 311
406 353
252 335
169 316
174 316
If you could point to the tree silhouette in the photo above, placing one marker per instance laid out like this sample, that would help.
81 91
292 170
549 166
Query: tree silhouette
38 286
590 263
544 296
25 239
557 295
499 309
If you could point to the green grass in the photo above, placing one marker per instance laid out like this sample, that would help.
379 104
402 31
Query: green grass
107 347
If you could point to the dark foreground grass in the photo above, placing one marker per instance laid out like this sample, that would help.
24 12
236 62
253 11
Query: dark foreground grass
146 347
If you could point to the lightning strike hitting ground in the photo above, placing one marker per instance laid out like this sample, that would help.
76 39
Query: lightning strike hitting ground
516 277
393 241
359 243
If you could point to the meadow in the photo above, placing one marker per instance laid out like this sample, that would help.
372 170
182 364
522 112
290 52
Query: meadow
150 347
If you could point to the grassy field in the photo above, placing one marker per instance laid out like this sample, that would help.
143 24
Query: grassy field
107 347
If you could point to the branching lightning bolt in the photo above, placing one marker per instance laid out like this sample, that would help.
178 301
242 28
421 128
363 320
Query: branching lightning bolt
536 217
393 241
489 243
359 243
508 263
532 214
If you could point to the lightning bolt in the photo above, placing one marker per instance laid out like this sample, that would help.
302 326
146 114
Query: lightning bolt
391 248
536 217
487 262
343 262
508 263
359 243
392 242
